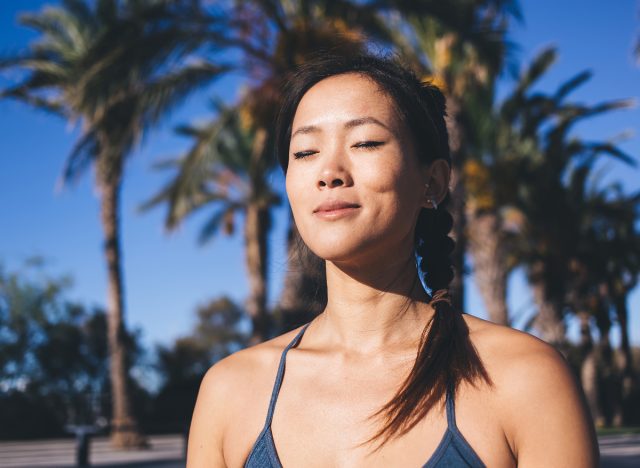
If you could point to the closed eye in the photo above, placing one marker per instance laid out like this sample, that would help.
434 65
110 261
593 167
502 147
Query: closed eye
368 144
303 154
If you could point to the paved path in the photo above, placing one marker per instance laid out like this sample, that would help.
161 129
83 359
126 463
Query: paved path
620 451
165 452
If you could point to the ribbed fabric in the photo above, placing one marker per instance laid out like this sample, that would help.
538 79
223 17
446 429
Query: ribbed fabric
453 451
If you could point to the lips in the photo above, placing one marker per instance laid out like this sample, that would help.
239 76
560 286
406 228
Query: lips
333 210
335 206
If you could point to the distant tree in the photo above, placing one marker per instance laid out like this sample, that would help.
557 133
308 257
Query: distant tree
554 215
221 328
53 357
117 68
522 208
604 270
494 180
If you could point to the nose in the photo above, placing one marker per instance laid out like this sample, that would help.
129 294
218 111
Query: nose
334 174
331 181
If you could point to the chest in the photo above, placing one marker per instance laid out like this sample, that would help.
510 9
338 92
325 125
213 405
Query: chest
324 418
345 422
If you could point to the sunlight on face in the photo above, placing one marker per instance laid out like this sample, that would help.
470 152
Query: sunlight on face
354 184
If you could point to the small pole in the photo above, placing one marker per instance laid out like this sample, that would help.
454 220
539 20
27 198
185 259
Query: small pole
83 442
82 447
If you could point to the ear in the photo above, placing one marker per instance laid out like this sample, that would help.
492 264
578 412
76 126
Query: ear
437 176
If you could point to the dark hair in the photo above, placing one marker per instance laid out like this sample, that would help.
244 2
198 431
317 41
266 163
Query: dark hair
446 355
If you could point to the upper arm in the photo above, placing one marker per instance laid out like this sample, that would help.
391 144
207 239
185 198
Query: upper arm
548 418
209 416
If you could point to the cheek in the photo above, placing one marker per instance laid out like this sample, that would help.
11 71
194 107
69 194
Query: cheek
297 190
398 184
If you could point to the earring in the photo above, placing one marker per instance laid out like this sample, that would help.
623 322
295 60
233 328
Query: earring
431 200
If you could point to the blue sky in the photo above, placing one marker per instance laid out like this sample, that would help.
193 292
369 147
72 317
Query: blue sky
168 275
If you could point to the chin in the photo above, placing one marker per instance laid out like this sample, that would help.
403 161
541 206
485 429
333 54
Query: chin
334 252
345 249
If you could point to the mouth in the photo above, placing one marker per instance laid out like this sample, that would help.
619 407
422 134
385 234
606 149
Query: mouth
335 209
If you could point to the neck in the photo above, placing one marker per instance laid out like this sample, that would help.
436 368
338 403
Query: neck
375 307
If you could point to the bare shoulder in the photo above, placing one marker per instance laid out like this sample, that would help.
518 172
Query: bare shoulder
507 351
541 405
244 378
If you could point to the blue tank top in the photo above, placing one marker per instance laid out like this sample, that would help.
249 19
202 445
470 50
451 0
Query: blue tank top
453 451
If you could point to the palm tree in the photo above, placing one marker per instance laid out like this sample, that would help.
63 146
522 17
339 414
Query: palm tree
117 68
493 226
493 180
227 172
552 175
624 247
604 272
463 47
501 182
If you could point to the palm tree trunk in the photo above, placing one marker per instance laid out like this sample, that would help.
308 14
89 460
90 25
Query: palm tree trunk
622 313
610 378
256 226
549 319
589 369
488 250
457 202
124 428
628 377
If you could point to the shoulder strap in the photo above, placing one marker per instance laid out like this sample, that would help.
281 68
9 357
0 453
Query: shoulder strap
451 408
464 449
280 374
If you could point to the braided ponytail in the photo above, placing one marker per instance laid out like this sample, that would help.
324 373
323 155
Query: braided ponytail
434 246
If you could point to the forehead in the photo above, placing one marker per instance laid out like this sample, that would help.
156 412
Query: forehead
344 97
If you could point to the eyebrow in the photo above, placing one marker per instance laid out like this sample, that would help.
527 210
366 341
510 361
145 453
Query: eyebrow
349 125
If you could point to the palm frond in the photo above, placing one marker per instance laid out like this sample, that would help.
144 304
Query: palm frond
49 104
162 95
83 154
274 10
362 16
62 31
610 149
223 218
517 99
568 86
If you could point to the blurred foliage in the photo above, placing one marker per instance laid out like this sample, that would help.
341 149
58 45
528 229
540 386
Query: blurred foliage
216 174
54 359
608 385
221 328
53 356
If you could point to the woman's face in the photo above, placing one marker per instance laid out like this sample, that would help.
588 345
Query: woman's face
354 184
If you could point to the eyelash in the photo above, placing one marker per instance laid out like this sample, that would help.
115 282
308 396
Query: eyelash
368 145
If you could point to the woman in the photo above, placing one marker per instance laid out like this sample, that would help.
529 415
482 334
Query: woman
388 375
